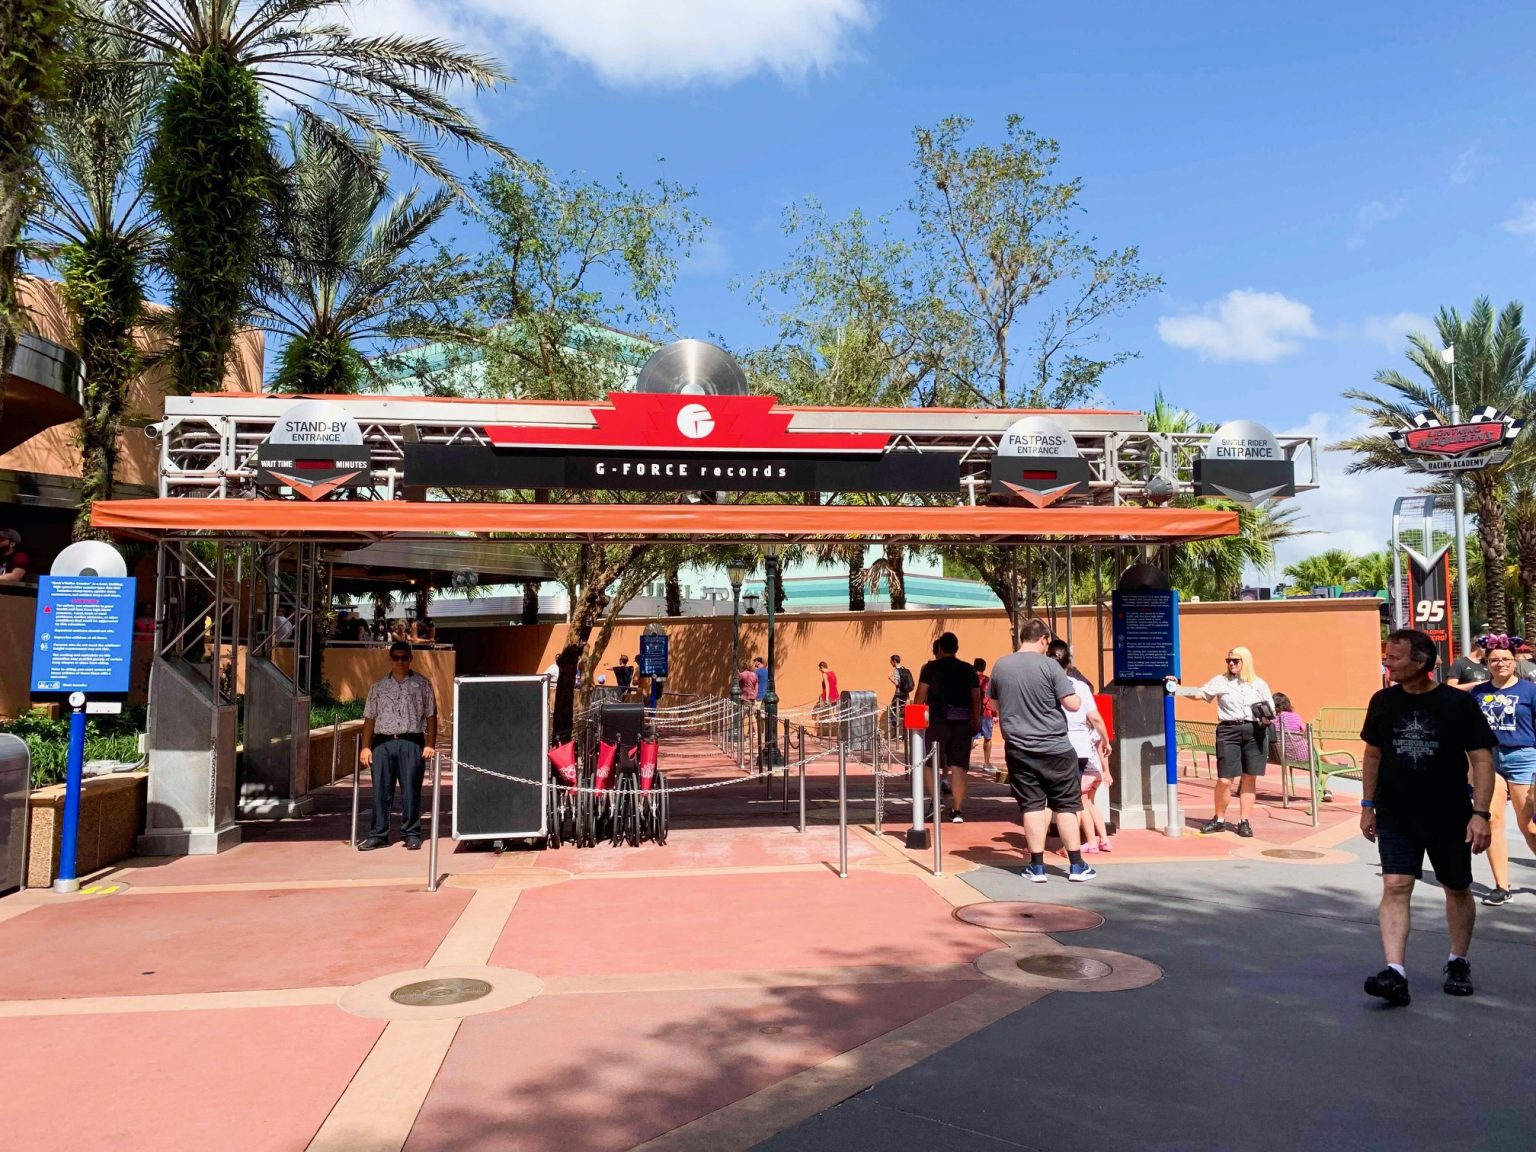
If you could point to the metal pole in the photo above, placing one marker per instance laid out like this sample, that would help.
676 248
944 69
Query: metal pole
66 880
1098 608
802 780
736 660
1070 600
1171 759
437 792
357 788
771 696
842 810
938 817
917 758
1465 630
335 746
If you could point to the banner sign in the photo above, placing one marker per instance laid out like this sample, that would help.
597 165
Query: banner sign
315 448
1429 602
1431 446
481 466
1037 463
82 639
1244 462
1145 632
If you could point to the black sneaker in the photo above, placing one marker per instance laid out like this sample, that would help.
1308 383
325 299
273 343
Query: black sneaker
1458 978
956 816
1389 985
1244 829
371 843
1497 896
1211 827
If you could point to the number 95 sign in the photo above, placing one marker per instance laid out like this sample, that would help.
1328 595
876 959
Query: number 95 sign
1429 612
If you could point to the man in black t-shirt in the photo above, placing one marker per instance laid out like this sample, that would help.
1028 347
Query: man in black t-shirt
948 685
1470 669
1419 739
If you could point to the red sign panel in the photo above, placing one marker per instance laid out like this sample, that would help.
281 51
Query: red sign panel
664 421
1455 439
1429 606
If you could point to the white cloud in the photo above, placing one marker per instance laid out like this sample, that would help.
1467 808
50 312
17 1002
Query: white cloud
1372 213
1523 222
1349 512
711 255
1391 331
1467 164
1257 327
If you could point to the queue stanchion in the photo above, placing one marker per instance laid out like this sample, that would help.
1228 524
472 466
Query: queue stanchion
357 789
437 793
915 720
842 810
938 818
802 780
335 746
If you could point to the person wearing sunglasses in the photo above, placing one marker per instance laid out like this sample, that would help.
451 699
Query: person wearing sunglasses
1509 705
399 735
1245 707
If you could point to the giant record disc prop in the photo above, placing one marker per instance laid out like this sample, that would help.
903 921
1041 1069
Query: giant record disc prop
1037 463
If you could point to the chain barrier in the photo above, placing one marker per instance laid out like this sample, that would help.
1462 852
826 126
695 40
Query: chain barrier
667 789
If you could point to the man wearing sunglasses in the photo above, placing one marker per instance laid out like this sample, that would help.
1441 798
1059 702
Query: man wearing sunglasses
399 734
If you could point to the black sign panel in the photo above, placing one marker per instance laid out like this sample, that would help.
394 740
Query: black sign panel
483 466
1039 480
1429 605
1245 480
314 470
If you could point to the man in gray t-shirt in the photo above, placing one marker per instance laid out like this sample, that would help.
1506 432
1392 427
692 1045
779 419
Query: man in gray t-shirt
1031 691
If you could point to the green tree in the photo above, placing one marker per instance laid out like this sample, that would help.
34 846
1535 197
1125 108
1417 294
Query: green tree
32 36
344 276
97 231
1494 366
213 176
1336 566
998 229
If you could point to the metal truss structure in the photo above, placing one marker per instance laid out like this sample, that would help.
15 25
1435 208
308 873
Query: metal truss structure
208 442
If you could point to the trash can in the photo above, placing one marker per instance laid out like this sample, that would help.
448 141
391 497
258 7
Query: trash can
15 787
857 715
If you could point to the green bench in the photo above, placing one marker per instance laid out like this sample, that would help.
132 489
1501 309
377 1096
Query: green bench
1198 737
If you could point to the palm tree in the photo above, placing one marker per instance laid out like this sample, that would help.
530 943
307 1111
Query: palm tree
99 232
1335 567
212 175
1494 367
32 35
343 274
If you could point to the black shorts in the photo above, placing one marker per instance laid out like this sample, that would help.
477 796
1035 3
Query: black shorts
1040 781
1403 848
1239 750
954 736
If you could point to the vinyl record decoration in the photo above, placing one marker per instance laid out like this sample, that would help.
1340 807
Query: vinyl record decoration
692 368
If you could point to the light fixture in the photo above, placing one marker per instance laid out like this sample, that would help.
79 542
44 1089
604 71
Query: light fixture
737 571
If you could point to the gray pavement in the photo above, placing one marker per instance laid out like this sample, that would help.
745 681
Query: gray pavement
1258 1037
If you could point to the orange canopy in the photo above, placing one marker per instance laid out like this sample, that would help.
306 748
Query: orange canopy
642 522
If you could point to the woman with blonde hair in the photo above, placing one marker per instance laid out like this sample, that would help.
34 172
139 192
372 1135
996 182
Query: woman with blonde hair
1244 710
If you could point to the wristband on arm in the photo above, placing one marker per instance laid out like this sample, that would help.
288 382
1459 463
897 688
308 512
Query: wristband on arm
1368 805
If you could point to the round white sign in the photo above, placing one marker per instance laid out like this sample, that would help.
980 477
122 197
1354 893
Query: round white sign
694 421
1243 440
1037 436
315 422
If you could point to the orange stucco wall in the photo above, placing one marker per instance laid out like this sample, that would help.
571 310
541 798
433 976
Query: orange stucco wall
1319 652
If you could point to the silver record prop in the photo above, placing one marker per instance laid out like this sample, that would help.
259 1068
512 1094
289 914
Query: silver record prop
692 368
89 558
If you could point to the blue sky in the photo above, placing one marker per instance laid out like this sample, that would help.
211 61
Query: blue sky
1310 180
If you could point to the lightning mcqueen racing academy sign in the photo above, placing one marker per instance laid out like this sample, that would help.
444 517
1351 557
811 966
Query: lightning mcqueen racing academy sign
659 442
1431 446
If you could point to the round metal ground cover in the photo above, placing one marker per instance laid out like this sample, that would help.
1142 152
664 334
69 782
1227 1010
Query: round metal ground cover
1027 916
436 993
1292 854
1062 966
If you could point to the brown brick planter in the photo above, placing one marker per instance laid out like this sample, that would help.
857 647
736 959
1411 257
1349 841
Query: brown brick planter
111 816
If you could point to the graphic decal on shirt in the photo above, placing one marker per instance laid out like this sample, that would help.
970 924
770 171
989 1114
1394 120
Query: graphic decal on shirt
1414 739
1499 710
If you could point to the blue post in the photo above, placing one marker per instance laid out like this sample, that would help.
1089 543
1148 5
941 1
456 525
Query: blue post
66 881
1171 736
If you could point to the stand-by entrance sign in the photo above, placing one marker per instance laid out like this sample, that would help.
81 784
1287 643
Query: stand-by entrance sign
1145 631
83 635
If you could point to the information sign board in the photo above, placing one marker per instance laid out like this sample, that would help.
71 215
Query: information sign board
653 655
83 635
1145 631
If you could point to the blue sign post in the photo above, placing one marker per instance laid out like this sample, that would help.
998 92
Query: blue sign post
82 644
1145 631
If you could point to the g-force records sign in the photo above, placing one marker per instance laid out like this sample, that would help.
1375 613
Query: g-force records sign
315 448
1243 461
1037 463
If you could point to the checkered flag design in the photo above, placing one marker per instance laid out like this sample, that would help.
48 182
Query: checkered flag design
1422 420
1488 414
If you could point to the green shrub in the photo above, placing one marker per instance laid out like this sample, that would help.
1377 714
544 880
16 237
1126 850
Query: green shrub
106 738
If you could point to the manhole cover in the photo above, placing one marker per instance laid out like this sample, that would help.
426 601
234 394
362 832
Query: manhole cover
1027 916
436 993
1056 966
1293 854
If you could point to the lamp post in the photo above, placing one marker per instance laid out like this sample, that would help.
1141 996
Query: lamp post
737 571
1448 355
771 697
